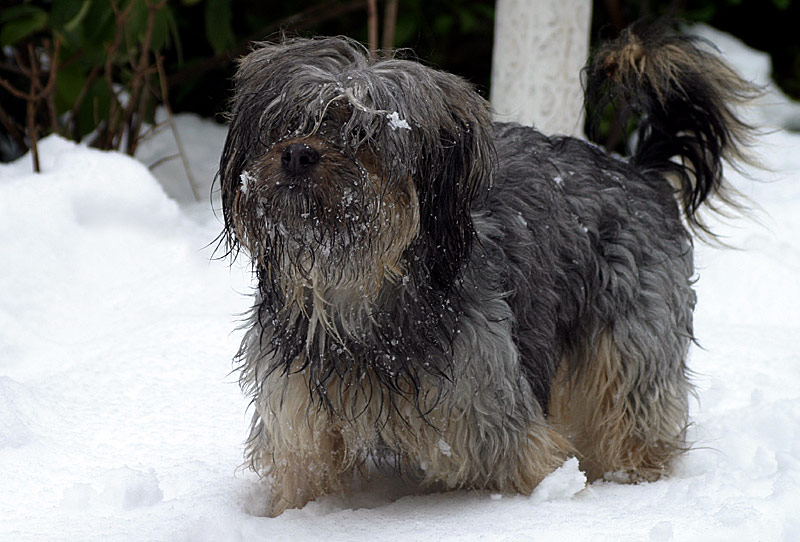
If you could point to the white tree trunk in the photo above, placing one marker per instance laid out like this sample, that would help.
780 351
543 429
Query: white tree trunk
540 47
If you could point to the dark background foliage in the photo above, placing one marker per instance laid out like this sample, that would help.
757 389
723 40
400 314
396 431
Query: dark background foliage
116 60
457 35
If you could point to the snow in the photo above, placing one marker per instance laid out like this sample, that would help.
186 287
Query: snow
396 123
123 489
444 447
564 483
247 181
120 419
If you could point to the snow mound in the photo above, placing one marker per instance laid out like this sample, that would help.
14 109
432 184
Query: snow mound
563 483
123 489
127 488
16 407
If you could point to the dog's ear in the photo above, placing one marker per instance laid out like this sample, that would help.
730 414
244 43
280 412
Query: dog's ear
243 136
235 153
456 167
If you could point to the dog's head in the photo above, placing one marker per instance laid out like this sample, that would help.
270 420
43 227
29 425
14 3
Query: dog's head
337 167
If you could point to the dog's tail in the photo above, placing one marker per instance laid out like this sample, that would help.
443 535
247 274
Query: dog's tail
682 95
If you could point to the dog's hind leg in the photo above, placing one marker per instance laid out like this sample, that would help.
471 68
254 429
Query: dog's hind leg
622 396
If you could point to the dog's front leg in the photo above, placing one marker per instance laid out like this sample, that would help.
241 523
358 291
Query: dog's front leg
295 444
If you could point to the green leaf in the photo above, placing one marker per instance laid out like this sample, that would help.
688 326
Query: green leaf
69 82
99 27
176 38
219 31
136 24
67 15
161 29
21 27
95 108
18 12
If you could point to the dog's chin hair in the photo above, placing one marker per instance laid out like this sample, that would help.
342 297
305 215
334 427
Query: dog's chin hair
330 273
307 246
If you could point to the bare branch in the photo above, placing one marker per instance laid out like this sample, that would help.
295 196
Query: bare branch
372 27
389 26
30 108
71 124
53 54
13 90
137 102
162 77
48 93
163 160
104 139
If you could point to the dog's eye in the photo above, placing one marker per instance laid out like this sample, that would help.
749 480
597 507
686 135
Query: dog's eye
327 129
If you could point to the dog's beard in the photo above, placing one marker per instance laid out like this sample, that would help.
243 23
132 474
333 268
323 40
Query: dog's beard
337 229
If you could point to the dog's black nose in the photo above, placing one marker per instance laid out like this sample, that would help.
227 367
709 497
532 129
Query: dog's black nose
298 158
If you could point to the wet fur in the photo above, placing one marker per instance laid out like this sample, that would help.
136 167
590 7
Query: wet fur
476 301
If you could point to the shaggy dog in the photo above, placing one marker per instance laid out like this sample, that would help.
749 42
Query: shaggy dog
475 301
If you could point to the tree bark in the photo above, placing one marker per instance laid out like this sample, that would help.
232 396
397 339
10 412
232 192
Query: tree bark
540 47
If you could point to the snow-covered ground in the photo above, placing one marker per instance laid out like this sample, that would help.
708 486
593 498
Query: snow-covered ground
120 420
